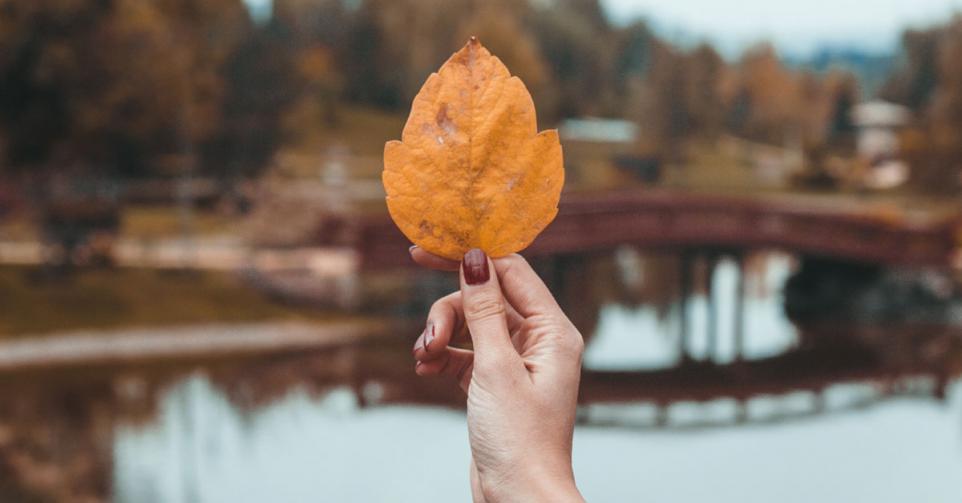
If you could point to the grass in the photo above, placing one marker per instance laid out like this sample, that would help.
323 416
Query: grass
140 222
362 129
104 299
165 221
17 227
720 166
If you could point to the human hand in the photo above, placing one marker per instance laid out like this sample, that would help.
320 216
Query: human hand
521 378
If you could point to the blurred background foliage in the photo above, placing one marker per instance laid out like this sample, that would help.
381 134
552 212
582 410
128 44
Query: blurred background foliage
200 169
127 87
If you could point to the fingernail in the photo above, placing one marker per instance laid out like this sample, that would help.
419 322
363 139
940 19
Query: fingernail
418 343
411 248
475 264
428 335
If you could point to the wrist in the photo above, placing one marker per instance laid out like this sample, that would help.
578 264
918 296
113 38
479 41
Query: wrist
554 489
534 485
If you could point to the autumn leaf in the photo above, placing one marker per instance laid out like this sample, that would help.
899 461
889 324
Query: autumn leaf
471 169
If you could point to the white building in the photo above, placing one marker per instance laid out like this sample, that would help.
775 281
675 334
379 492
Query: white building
592 129
877 142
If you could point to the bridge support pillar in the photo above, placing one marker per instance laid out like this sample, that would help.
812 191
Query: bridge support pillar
818 400
661 414
741 411
739 326
711 348
684 303
568 278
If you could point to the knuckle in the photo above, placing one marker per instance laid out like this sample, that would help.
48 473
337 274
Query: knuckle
571 343
484 307
438 306
575 343
464 369
446 308
563 336
487 367
513 262
578 346
493 372
447 300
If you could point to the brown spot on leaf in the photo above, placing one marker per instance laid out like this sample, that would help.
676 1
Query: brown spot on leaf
444 121
425 227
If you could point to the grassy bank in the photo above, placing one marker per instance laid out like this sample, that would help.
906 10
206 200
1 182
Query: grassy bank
103 299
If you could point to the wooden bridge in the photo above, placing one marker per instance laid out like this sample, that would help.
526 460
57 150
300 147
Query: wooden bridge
666 219
707 226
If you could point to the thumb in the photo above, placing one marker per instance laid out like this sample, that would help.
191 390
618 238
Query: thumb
484 313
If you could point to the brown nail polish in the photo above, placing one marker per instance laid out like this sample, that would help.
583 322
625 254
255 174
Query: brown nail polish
475 265
419 343
428 336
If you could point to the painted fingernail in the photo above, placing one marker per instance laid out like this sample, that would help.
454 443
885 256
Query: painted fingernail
418 343
475 264
428 336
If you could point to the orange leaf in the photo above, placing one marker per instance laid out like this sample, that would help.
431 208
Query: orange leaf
471 169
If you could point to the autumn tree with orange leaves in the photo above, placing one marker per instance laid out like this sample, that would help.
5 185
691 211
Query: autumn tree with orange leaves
116 87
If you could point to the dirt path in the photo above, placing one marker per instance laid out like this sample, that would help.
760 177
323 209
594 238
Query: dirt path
209 254
174 343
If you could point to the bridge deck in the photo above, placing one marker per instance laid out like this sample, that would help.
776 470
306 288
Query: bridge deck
662 218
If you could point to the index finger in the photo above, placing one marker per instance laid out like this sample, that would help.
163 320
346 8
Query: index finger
431 261
523 288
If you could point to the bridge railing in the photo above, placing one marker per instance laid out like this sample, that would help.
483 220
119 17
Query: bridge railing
660 219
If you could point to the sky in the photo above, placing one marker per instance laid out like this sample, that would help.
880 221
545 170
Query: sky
260 9
795 27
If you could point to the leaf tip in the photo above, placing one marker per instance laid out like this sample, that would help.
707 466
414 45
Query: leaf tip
469 53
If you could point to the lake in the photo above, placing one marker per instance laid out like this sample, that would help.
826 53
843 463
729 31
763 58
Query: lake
308 448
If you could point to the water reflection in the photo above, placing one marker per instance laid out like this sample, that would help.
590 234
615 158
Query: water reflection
640 338
308 445
203 449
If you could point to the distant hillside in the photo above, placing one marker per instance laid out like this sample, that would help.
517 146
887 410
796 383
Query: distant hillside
871 69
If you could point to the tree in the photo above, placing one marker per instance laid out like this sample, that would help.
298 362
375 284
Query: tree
662 106
843 94
395 44
929 80
634 47
111 85
943 117
704 70
261 81
914 81
579 51
499 26
765 98
946 102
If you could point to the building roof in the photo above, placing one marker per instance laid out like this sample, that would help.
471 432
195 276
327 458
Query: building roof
880 113
598 130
